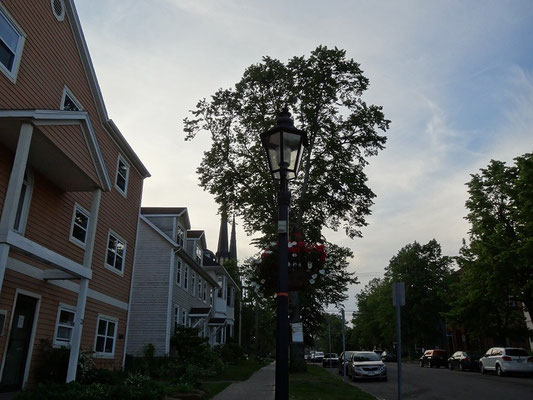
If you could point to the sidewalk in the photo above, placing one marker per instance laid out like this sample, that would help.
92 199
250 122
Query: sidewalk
260 386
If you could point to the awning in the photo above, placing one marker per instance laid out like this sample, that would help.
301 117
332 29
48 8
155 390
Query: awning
217 321
199 312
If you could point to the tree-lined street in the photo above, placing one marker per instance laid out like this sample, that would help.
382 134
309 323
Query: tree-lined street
442 384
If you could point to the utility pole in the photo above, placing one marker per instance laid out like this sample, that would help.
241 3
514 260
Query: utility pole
398 300
329 339
343 345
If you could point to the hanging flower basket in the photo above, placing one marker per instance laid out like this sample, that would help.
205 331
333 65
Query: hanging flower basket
306 265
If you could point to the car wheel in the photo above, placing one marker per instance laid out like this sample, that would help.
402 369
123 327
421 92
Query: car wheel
461 367
429 364
421 364
499 371
450 365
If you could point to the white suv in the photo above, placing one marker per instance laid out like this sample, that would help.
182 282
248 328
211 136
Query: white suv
506 359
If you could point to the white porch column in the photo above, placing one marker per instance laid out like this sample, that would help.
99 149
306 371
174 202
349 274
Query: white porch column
9 211
75 340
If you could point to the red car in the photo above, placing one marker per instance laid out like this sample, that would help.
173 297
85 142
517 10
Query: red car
434 358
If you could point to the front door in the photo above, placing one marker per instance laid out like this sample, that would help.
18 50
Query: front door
19 343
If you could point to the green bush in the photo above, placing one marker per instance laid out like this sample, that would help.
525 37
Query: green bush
230 352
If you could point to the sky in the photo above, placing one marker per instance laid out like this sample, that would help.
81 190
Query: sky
454 77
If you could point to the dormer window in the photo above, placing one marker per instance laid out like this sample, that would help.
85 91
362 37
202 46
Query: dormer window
11 44
69 102
180 235
199 254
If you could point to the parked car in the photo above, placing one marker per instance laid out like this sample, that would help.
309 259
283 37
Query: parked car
389 356
434 358
317 357
330 360
344 360
366 365
464 360
503 360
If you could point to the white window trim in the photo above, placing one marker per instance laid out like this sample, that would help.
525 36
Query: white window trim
12 75
186 278
61 16
68 92
179 228
73 239
179 272
177 321
111 267
107 318
64 307
2 328
125 191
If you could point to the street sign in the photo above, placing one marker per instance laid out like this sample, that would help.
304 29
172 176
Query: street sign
297 332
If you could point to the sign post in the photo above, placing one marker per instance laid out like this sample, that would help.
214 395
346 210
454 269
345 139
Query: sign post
398 300
343 345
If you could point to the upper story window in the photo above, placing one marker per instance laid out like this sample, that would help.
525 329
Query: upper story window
199 287
23 205
64 326
11 44
116 253
220 281
199 254
204 292
80 225
193 283
58 8
69 102
123 170
186 278
179 269
180 235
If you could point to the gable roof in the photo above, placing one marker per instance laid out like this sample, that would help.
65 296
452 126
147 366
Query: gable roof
110 126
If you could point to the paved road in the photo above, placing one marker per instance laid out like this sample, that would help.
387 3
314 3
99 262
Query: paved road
443 384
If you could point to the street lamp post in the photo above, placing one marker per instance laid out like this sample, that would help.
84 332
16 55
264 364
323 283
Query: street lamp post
283 145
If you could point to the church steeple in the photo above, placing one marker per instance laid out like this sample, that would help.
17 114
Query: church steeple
222 250
233 243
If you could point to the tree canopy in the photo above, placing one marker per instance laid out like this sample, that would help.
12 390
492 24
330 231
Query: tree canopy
496 262
324 93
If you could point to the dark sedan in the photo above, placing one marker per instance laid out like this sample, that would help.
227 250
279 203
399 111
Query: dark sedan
434 358
464 360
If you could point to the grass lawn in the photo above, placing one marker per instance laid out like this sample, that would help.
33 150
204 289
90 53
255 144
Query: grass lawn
239 372
212 388
319 384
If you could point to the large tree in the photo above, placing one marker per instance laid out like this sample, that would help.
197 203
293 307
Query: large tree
324 93
497 261
426 273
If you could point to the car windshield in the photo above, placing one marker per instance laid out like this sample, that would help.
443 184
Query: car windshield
366 357
516 352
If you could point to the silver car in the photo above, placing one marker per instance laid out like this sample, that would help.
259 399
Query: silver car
503 360
366 365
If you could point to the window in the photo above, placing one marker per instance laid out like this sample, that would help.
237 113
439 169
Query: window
11 44
184 318
69 102
64 326
199 254
193 280
220 280
180 235
122 175
204 293
106 333
211 297
116 251
186 278
176 316
178 272
23 205
3 316
200 287
80 225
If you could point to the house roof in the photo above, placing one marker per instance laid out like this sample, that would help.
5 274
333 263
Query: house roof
195 234
110 126
163 210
